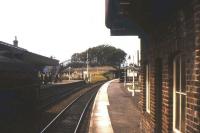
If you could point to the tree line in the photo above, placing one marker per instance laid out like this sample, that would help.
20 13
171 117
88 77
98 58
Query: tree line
102 55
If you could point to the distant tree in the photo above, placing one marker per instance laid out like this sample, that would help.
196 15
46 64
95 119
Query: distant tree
75 57
99 56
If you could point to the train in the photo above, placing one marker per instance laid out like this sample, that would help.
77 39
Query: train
19 80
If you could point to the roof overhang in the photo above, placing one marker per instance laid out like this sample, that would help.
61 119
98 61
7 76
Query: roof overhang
136 17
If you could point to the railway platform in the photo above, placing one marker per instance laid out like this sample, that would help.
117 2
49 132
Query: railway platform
67 82
115 110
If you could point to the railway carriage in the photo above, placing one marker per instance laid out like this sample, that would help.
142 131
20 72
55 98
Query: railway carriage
19 81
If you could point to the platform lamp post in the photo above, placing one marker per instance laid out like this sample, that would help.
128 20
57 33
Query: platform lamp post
125 72
87 62
133 75
124 76
133 93
69 73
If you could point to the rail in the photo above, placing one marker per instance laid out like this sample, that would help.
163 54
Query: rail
83 113
89 94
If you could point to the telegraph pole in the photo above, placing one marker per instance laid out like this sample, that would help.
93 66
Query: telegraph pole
69 73
138 58
87 67
124 76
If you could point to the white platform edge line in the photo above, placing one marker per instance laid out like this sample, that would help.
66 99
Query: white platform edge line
97 96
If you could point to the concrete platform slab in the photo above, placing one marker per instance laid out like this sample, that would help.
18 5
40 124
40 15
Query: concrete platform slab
114 111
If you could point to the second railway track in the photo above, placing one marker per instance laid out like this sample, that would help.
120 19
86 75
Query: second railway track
70 118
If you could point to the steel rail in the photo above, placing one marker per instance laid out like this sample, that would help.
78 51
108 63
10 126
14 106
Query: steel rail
61 112
83 113
66 108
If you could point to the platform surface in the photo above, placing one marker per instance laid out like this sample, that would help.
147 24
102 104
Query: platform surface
114 110
67 81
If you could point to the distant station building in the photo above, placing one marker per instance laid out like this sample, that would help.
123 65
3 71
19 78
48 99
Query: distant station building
170 59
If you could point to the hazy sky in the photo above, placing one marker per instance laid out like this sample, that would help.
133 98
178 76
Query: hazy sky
59 27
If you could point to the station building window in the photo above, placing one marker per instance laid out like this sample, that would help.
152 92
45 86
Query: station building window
179 94
148 88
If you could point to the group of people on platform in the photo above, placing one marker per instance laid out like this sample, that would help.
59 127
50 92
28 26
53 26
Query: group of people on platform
48 78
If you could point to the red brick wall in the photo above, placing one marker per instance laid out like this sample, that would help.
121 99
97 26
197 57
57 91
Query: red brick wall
179 34
193 78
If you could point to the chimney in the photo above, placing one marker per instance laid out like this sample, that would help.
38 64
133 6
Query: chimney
15 42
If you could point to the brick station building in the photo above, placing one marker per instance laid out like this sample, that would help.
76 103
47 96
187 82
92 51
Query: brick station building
170 59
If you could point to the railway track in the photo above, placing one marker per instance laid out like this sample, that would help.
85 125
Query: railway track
50 96
71 117
46 102
51 102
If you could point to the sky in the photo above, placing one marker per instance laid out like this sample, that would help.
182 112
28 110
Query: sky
59 28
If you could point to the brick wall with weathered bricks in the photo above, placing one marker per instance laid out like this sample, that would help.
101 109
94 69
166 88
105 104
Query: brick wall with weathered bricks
180 34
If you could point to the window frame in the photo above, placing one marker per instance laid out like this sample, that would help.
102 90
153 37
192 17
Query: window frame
180 93
147 87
